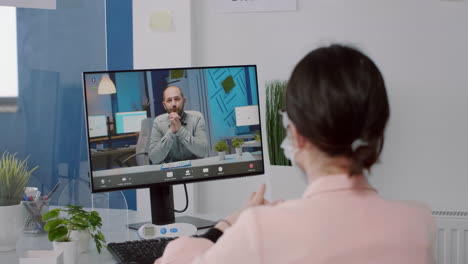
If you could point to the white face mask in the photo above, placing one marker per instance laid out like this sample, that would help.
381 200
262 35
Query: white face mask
289 149
287 146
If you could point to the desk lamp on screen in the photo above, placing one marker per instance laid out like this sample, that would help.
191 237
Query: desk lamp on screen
191 109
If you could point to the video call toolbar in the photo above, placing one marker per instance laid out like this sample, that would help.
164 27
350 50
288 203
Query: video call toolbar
176 175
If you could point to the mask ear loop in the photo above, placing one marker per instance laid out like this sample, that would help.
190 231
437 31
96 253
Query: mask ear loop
285 119
358 143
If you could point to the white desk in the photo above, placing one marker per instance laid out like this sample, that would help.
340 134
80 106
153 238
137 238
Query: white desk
114 228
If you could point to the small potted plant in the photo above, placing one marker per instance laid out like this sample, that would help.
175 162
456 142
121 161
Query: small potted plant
237 143
63 224
14 175
221 147
258 136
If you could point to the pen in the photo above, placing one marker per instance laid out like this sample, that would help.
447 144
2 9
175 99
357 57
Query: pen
51 191
37 196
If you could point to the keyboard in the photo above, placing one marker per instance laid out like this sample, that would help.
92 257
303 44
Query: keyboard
144 251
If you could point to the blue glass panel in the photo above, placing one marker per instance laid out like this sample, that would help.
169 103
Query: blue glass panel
54 48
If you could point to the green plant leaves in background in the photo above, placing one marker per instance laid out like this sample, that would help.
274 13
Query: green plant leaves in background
237 142
275 91
177 74
14 175
221 146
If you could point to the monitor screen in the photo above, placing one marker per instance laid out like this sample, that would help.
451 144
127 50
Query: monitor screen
128 122
97 126
172 126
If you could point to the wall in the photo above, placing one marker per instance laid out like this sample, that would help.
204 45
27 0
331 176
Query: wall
154 48
223 104
420 46
128 96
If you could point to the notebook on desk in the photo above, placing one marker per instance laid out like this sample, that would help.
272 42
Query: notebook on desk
177 164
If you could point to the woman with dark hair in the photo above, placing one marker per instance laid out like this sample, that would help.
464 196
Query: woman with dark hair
336 113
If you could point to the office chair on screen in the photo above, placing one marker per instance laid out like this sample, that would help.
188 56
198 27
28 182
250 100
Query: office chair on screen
141 151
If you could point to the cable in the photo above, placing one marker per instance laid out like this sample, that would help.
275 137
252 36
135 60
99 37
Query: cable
186 202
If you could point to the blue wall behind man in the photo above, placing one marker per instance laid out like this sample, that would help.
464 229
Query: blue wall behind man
223 103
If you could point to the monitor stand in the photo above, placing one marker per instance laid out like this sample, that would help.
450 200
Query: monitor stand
162 213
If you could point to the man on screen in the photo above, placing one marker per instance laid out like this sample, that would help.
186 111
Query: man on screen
177 135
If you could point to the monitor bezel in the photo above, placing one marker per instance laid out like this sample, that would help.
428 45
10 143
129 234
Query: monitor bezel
175 182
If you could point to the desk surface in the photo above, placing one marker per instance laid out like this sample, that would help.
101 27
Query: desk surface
114 231
114 151
114 137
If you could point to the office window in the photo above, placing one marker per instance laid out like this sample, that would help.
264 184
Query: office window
9 60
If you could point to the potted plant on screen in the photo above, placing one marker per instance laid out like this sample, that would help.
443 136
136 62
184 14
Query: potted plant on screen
14 175
70 230
221 147
237 143
258 136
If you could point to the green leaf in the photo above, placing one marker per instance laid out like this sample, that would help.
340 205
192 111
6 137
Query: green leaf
58 234
221 146
52 224
98 238
14 175
274 102
51 214
98 245
101 237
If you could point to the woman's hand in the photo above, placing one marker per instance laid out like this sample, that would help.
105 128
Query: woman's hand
255 199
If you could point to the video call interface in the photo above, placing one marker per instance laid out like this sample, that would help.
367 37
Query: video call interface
172 125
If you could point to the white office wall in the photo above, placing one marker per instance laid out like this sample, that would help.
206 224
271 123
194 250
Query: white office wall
8 53
421 47
154 46
43 4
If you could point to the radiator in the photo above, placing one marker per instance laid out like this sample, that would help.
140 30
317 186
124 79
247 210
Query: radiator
451 245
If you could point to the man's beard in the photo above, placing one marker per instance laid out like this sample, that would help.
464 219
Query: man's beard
176 110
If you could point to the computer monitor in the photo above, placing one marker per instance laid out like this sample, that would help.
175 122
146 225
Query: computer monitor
128 122
97 126
172 126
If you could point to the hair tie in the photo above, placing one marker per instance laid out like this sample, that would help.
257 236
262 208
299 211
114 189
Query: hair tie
358 143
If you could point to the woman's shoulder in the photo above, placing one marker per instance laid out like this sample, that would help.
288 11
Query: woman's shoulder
415 208
274 215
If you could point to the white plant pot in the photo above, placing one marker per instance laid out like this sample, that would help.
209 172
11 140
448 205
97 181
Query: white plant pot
10 227
222 155
83 238
239 152
69 249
